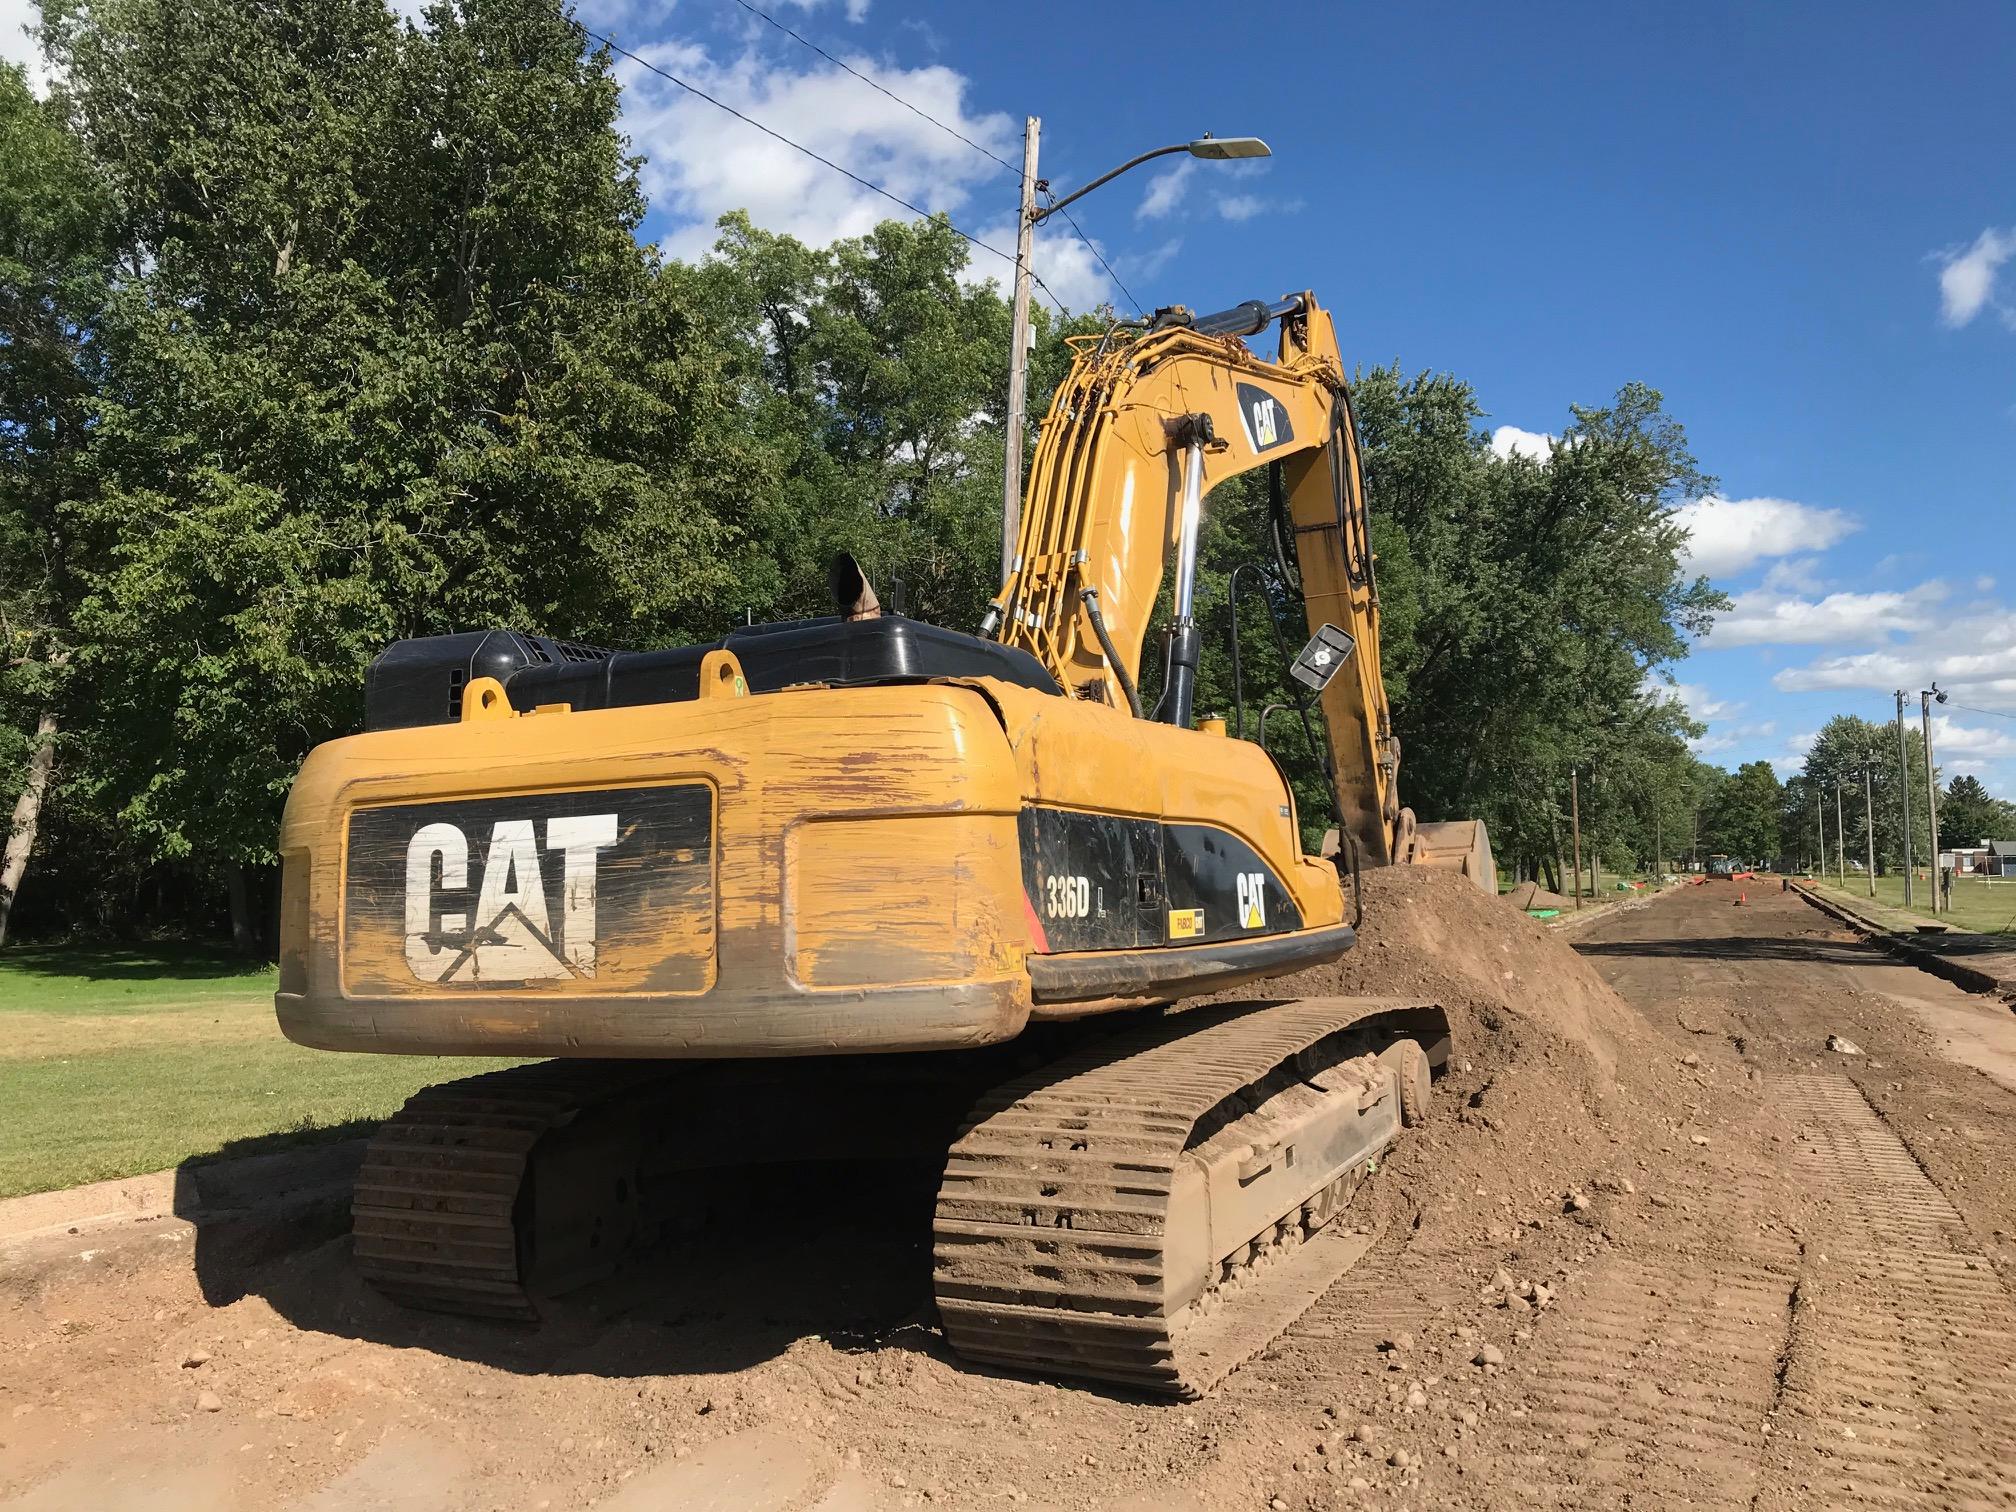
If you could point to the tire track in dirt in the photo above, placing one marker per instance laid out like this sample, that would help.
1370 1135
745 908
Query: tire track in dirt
1902 1359
1662 1388
1652 1384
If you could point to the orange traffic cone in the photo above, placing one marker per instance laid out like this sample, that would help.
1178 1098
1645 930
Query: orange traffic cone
1742 898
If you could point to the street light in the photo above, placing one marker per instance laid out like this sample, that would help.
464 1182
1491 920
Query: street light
1210 148
1869 821
1925 697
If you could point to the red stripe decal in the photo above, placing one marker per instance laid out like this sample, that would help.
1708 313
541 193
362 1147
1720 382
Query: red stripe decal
1036 934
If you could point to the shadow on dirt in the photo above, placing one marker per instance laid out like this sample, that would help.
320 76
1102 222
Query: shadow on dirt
1821 947
839 1251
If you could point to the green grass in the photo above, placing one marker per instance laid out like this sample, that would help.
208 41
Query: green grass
114 979
1980 904
114 1062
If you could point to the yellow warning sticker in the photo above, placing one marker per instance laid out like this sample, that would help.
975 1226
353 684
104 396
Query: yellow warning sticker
1185 923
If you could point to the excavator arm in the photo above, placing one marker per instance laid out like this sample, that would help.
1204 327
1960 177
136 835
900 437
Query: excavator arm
1142 429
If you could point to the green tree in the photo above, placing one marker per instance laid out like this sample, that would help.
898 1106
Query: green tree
57 250
1743 818
389 360
1535 601
1845 748
1969 814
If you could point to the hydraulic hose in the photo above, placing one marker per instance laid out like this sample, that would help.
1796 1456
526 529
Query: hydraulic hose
1089 597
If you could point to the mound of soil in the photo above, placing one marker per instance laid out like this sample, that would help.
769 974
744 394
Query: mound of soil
1553 1083
1528 895
1429 932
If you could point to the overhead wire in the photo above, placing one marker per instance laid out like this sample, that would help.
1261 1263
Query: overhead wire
920 114
896 199
1091 247
925 115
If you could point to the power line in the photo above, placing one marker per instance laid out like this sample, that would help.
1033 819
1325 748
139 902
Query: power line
1103 263
1991 713
920 114
826 162
925 115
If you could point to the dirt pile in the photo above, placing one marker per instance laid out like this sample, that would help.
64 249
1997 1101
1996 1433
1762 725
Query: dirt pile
1554 1082
1528 895
1429 931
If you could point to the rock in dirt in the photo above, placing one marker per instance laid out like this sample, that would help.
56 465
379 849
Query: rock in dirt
1490 1354
1841 1046
195 1359
209 1401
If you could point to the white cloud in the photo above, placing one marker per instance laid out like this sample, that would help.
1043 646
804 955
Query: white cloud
1770 618
702 162
1984 584
1967 277
1172 189
1165 191
1696 699
1973 655
1727 535
1793 575
857 10
1149 264
16 46
1508 441
1949 737
1792 760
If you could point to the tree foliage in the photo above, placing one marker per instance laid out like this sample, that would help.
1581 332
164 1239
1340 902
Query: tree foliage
324 330
1969 814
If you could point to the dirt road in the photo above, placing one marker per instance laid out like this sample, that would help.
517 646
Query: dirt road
1659 1247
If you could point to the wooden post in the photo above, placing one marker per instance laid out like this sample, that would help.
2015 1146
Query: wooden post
1575 819
1018 351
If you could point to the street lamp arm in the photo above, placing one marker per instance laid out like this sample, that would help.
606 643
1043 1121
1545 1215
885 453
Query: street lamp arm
1037 217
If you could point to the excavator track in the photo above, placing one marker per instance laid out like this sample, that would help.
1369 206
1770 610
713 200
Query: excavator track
1063 1245
437 1215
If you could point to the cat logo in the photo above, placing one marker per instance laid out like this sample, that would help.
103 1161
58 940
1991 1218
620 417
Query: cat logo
1263 424
1263 417
511 937
1252 900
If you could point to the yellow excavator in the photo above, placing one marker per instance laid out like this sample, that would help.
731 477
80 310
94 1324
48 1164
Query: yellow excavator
856 885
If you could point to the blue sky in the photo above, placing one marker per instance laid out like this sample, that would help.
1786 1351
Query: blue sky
1797 221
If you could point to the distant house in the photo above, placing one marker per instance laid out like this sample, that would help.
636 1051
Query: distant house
2001 860
1965 860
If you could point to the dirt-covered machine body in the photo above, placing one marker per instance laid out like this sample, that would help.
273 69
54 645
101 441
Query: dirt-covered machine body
710 880
909 866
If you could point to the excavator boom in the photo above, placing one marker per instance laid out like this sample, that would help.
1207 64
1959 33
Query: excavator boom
1136 436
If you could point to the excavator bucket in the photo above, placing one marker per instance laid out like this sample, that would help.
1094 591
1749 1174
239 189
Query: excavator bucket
1459 845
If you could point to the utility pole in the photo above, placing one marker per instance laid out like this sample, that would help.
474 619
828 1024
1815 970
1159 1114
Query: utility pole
1869 819
1819 813
1018 351
1904 793
1595 845
1840 836
1216 149
1575 819
1931 787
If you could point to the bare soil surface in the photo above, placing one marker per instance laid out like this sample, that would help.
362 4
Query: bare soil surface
1659 1246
